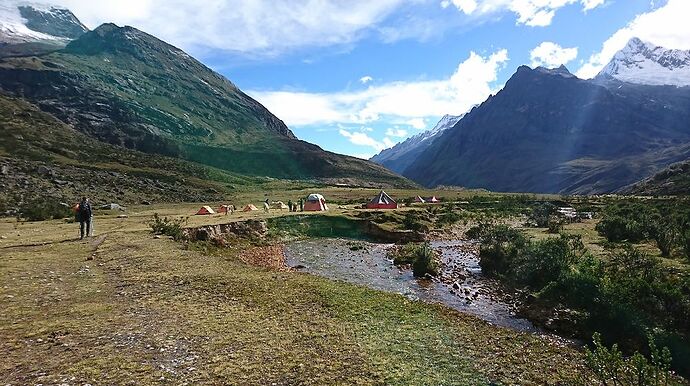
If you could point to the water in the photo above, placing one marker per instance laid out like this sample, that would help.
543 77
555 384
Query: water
460 285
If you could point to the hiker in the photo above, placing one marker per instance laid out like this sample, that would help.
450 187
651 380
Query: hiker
290 205
84 216
266 206
301 205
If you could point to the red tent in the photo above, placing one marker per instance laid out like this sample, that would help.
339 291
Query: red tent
382 201
419 200
315 203
432 199
205 210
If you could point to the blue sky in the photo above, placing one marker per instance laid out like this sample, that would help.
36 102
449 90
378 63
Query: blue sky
357 76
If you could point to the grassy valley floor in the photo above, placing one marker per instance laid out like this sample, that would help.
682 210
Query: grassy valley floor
125 308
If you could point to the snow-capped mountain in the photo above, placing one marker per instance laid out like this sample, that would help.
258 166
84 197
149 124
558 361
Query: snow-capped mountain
644 63
398 157
27 22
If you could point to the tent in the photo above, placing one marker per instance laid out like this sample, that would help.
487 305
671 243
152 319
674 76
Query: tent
205 210
315 203
249 208
278 205
382 201
419 200
432 199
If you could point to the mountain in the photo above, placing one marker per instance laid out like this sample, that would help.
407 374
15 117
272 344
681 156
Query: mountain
400 156
548 131
124 87
674 180
28 27
644 63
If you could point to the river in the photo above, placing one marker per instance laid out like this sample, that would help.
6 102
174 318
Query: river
461 284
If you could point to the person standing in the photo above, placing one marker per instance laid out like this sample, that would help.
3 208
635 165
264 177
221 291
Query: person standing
290 205
301 205
85 217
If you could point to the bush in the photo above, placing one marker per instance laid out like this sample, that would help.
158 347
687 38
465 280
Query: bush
449 216
665 235
542 262
44 209
611 368
685 243
555 225
617 229
169 227
426 261
540 214
500 246
412 221
422 257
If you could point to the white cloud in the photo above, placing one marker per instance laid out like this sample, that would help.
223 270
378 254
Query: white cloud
396 133
534 13
363 139
395 101
251 27
550 54
417 123
666 26
365 79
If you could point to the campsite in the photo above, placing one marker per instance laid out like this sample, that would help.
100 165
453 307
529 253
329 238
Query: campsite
273 249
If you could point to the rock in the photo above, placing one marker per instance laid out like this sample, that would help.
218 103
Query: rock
157 236
45 171
122 216
113 206
4 169
145 202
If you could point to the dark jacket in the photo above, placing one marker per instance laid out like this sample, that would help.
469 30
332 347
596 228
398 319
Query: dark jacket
84 211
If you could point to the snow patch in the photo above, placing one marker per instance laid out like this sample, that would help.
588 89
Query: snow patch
645 63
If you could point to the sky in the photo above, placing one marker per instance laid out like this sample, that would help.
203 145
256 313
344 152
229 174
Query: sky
357 76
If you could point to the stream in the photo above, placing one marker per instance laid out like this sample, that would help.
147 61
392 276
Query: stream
461 284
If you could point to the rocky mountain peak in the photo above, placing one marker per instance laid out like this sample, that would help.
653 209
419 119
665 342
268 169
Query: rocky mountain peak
642 62
26 22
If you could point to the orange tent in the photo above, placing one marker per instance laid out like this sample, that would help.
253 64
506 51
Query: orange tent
205 210
249 208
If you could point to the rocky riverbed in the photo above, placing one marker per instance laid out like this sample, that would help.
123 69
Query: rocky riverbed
460 284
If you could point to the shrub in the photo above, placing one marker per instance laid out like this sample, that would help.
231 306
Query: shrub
611 368
665 235
449 216
412 221
500 246
616 229
422 257
426 261
542 262
44 209
685 243
165 226
555 225
541 213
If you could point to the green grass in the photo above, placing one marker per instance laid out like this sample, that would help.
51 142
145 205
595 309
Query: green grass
150 311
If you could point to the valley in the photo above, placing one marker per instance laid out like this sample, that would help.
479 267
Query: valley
537 234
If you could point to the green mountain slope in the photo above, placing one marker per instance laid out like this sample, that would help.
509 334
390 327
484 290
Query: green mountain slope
125 87
41 157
